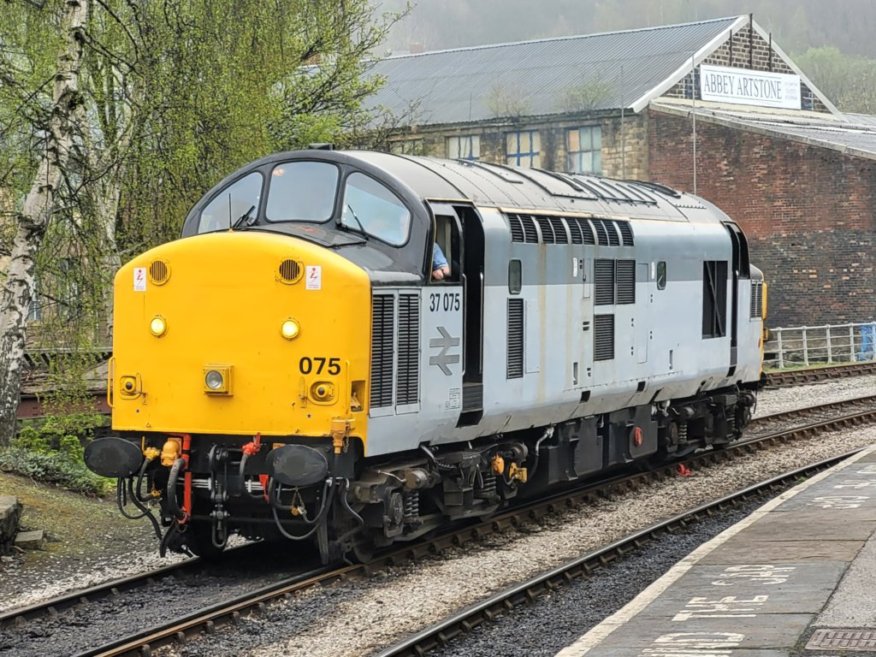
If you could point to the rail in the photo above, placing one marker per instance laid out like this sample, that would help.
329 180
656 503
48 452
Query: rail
145 641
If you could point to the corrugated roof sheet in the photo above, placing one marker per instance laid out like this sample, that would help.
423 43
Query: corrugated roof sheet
852 133
616 68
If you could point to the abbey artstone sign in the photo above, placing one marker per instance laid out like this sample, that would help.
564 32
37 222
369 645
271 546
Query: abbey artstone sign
741 86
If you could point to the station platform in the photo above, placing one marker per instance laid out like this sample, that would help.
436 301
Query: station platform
796 578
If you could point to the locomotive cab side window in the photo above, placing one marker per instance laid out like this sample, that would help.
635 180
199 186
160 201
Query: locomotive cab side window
302 191
661 275
445 250
240 199
372 208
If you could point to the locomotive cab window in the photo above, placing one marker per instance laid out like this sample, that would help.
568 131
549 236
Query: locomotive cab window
371 208
237 201
661 275
445 251
302 191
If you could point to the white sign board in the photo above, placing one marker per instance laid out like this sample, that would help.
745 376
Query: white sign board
744 87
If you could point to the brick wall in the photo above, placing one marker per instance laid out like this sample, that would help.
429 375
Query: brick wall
747 49
808 213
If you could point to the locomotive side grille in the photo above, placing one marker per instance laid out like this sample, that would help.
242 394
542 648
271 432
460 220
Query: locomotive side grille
626 232
382 331
601 232
559 226
407 387
756 299
529 230
575 230
515 339
626 281
611 229
516 228
603 337
587 229
604 281
547 231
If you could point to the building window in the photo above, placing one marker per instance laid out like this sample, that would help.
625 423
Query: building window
521 148
407 147
584 148
467 147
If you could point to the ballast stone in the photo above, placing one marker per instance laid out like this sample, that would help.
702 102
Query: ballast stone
10 514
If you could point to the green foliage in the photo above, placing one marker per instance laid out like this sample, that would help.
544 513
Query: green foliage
54 467
177 95
52 450
504 102
849 81
586 95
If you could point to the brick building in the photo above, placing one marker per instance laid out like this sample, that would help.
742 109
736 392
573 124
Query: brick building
713 107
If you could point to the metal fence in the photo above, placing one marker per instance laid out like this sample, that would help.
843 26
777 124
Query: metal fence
813 345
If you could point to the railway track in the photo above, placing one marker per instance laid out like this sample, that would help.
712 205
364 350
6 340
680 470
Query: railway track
528 592
806 422
787 378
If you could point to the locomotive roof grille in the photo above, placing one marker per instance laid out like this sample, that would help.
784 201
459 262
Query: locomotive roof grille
539 229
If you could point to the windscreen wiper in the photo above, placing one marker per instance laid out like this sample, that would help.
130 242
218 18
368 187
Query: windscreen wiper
358 223
245 220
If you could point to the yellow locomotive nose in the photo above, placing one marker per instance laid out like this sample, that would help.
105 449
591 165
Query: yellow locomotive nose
201 352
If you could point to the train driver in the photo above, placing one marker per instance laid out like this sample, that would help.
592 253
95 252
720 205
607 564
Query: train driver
440 268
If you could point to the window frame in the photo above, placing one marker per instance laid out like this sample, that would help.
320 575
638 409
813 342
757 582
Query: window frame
519 155
219 193
459 140
341 199
270 181
574 160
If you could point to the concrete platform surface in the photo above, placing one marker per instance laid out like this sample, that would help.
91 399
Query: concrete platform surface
796 578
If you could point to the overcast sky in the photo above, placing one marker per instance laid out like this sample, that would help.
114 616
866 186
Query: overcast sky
796 24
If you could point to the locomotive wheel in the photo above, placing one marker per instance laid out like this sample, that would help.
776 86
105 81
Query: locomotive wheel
363 549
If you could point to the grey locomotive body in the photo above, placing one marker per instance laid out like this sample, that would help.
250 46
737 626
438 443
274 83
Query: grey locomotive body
586 324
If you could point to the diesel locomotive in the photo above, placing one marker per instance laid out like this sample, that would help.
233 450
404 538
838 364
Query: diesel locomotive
290 369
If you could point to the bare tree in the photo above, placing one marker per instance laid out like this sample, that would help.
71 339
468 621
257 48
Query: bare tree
33 219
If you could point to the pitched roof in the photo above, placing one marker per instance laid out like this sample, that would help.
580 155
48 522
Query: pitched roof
613 70
853 134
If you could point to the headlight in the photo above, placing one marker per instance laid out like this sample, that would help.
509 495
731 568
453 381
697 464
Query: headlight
290 329
217 379
158 326
214 380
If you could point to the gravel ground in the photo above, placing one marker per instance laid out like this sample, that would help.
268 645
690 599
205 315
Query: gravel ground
786 399
90 542
352 618
361 617
86 626
561 617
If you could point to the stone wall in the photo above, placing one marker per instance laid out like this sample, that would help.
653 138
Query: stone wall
10 515
809 213
624 143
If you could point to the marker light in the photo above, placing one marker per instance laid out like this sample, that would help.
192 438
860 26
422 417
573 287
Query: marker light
158 326
214 380
290 329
